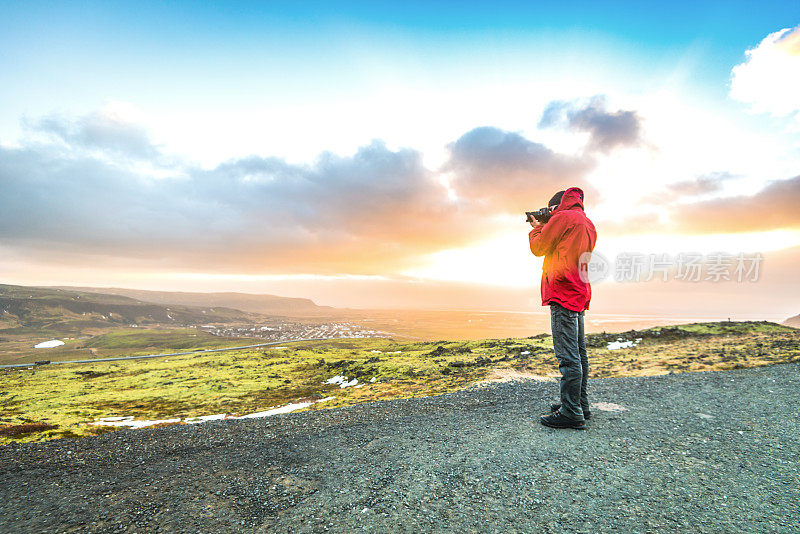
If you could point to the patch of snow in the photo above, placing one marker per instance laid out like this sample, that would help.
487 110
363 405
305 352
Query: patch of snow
373 379
622 344
130 422
705 415
48 344
524 352
342 381
275 411
377 351
395 352
338 379
170 317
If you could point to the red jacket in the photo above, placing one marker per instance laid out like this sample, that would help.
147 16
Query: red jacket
568 234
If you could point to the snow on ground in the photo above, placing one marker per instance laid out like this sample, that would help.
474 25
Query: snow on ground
48 344
342 381
130 422
622 344
204 418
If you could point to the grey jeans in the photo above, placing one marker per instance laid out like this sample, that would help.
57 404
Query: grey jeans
569 344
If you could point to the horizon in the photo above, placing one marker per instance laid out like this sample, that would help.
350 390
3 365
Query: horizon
381 157
671 318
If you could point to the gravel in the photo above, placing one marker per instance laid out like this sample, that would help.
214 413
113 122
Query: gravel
699 452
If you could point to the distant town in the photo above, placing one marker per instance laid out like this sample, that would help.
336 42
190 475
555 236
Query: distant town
288 331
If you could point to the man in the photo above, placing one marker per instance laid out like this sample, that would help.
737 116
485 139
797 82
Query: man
562 240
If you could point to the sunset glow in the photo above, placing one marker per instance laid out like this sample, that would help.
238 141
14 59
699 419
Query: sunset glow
305 153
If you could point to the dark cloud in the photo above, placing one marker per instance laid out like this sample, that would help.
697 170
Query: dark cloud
607 130
94 191
505 171
253 213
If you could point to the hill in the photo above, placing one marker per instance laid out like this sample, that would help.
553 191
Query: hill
794 322
254 303
61 311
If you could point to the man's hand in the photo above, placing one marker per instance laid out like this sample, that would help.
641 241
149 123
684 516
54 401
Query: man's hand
535 223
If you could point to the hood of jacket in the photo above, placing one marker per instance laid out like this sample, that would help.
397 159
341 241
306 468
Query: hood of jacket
572 199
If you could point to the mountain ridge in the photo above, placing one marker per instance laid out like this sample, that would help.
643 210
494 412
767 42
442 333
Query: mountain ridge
247 302
73 310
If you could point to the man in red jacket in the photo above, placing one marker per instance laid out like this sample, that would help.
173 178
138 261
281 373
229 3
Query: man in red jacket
562 241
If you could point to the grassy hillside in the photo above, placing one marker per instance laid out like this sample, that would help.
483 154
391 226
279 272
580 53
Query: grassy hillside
26 309
30 315
116 342
60 401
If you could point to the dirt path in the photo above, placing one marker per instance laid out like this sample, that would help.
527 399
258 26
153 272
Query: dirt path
700 452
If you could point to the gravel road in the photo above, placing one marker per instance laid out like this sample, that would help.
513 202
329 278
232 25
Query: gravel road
695 452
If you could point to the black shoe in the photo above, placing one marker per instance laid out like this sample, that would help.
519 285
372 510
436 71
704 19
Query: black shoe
559 420
586 413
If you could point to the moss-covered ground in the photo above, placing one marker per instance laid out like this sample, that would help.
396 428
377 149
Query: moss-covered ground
112 342
60 401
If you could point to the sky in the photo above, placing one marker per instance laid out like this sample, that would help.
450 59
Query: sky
371 154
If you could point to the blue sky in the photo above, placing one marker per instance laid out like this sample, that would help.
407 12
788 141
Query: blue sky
186 58
90 50
141 119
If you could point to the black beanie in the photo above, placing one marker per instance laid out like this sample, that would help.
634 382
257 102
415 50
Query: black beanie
556 200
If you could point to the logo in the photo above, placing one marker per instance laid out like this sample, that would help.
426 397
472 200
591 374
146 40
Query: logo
593 267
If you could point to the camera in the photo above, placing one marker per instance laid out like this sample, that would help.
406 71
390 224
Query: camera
543 215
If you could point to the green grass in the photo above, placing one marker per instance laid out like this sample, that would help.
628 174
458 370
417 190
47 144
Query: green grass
60 401
113 343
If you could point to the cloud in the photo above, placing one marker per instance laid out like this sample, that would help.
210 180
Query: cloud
773 207
769 78
85 194
505 171
110 129
607 130
702 185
